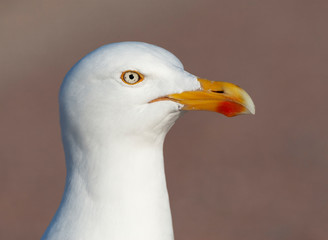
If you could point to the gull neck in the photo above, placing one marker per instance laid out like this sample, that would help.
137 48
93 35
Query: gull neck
116 191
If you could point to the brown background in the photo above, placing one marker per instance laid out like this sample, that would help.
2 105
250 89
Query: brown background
262 177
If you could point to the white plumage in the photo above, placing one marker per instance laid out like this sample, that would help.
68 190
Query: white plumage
113 134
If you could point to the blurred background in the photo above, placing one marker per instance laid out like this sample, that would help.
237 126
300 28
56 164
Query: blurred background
250 177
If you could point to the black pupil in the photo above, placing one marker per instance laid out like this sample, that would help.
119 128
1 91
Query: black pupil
131 76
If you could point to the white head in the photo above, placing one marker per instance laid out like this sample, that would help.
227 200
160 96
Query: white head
98 101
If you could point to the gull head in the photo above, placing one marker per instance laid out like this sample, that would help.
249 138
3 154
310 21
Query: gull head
134 89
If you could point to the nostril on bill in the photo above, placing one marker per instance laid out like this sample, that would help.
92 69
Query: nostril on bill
219 91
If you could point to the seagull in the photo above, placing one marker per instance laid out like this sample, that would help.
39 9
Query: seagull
116 106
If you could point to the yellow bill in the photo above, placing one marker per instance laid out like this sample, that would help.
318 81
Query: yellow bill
221 97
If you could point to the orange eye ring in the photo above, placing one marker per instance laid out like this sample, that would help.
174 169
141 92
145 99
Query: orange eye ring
132 77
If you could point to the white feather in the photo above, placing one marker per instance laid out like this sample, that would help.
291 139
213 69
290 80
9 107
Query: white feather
113 141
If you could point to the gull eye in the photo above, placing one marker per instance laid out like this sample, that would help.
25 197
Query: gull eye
131 77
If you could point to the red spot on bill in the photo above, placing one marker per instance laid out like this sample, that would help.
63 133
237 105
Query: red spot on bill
230 109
